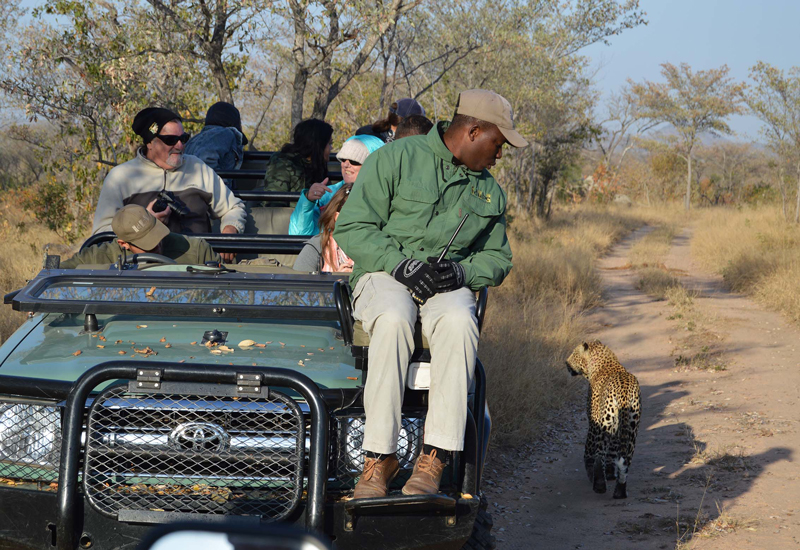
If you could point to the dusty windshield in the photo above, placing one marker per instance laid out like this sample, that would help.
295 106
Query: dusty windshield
181 294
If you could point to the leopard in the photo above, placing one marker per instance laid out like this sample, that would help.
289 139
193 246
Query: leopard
614 410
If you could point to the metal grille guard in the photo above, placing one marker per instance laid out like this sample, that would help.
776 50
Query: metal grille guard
175 372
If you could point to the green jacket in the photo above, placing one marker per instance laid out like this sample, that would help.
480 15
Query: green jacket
407 202
287 172
182 249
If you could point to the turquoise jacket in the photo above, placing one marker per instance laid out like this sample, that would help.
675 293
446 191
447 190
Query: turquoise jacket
305 218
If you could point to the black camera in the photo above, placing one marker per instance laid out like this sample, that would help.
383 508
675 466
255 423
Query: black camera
168 198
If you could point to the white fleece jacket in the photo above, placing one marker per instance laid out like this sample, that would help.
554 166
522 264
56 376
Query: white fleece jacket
139 180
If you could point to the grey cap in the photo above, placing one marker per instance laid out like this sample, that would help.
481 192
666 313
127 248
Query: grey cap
135 225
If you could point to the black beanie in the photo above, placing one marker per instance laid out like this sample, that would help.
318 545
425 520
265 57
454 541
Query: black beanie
225 115
152 118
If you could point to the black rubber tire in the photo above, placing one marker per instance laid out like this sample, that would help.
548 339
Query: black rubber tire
482 538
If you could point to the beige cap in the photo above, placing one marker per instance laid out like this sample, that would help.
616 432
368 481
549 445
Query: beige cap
135 225
491 107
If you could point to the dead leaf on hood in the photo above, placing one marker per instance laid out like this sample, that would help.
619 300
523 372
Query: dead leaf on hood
300 362
103 338
163 339
192 343
150 292
168 346
121 352
141 326
77 353
118 342
99 346
147 351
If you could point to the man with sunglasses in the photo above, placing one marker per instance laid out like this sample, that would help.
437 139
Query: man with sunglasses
161 165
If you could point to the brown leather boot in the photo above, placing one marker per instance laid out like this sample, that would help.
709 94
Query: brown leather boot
377 476
426 476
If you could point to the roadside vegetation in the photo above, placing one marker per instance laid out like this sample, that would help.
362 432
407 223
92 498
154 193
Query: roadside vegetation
756 252
22 241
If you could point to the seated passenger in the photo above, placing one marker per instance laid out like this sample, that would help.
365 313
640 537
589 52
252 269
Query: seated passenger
138 231
220 144
321 252
385 128
413 125
305 218
160 165
302 162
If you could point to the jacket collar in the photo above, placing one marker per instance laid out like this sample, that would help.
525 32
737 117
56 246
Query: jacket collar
436 143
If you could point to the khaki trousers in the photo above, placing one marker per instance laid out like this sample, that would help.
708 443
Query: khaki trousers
388 314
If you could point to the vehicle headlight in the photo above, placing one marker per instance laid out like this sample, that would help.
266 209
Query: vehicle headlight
351 438
30 435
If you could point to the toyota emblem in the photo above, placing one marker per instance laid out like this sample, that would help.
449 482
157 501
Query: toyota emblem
199 436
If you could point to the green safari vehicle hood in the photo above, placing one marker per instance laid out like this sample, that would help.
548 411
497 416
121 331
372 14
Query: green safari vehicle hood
55 347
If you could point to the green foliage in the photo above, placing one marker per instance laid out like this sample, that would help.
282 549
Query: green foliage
48 201
693 103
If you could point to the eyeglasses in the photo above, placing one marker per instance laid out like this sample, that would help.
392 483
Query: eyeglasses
172 140
352 162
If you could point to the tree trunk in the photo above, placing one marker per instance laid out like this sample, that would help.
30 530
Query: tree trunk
688 201
782 188
299 58
298 92
797 207
220 78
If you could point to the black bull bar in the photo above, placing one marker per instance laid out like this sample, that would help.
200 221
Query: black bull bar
81 389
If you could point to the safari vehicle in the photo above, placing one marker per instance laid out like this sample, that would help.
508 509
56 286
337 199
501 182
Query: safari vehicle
145 393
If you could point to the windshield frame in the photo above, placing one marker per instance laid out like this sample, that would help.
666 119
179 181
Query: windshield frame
30 298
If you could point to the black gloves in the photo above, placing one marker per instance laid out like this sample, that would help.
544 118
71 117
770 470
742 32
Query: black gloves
417 276
450 275
425 280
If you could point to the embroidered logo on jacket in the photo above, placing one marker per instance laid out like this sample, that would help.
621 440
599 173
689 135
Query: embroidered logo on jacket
485 197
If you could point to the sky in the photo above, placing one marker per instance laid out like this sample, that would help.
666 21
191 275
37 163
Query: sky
705 34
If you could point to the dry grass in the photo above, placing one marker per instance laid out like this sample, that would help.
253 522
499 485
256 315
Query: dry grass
756 252
650 250
647 256
22 241
656 282
535 318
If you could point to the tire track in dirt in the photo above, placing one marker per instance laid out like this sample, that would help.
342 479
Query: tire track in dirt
714 466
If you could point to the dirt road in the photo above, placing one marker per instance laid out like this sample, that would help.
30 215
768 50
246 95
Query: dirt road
715 463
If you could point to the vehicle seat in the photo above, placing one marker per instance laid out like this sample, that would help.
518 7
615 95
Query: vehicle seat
268 220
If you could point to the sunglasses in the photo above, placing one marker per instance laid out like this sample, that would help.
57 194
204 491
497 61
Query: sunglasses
172 140
352 162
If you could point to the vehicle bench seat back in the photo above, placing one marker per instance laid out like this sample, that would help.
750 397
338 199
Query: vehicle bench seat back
268 220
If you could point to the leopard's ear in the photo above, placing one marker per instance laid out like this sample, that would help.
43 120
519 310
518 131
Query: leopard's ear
585 346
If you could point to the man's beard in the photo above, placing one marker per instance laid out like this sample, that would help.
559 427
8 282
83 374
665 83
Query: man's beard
175 163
